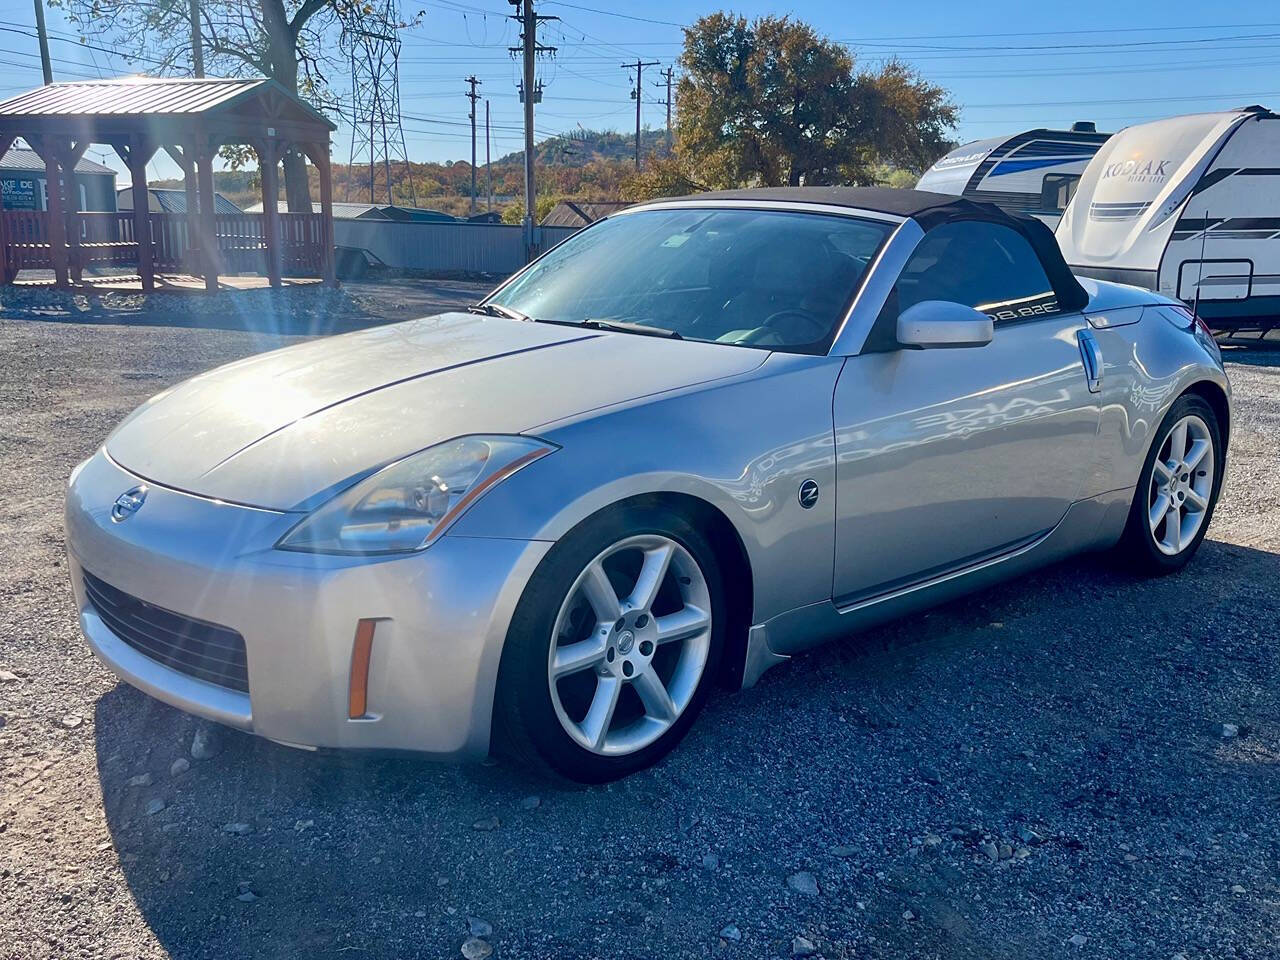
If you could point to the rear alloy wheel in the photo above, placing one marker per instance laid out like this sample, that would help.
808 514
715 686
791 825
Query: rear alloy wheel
1176 493
613 647
1181 485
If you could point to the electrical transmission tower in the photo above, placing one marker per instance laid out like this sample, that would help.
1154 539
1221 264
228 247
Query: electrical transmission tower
370 37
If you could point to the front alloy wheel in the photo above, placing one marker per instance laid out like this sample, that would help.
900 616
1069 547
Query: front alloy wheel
613 646
631 645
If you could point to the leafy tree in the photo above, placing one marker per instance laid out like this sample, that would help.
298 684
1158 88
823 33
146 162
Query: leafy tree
515 212
661 176
887 175
288 40
772 102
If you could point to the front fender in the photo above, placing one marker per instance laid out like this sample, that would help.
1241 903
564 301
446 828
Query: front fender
743 446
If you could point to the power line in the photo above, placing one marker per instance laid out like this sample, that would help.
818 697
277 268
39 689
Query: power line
1086 103
79 43
1101 71
1055 33
614 13
1124 44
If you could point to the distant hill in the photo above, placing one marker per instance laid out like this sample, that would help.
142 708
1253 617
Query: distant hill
581 147
584 165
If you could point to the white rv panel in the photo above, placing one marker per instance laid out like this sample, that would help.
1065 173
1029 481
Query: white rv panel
1033 173
1229 230
951 174
1188 206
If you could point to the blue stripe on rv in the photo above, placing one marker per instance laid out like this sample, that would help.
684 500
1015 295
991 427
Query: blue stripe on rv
1020 166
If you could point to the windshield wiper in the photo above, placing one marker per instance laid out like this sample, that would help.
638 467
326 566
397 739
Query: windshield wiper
623 326
497 310
616 326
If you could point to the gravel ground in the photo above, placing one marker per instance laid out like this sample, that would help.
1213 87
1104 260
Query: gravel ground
1039 771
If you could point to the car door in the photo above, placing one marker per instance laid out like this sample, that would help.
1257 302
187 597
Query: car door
949 457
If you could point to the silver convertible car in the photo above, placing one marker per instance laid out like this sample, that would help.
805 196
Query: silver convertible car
691 440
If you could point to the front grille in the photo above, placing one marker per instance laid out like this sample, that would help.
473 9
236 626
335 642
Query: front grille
202 650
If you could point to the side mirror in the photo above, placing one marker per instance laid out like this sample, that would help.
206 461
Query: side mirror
941 323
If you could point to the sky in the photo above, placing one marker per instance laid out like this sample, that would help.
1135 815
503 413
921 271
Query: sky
1010 66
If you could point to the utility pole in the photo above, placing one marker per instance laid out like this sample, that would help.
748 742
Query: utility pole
488 170
197 45
43 32
638 67
667 74
529 91
473 97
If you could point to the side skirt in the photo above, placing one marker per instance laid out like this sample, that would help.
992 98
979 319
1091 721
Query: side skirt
1092 524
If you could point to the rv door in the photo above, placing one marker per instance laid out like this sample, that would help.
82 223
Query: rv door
1215 280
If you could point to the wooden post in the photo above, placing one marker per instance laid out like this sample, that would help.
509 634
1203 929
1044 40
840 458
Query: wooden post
268 154
193 252
184 156
211 260
55 224
7 275
139 156
319 153
69 155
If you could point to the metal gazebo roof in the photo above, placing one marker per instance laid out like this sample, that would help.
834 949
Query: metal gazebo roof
229 106
190 118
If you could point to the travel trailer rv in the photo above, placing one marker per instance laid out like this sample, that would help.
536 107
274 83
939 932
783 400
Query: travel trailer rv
1031 173
1189 207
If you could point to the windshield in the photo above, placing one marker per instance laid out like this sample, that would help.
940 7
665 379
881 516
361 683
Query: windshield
770 279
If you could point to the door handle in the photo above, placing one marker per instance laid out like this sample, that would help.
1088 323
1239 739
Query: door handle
1091 357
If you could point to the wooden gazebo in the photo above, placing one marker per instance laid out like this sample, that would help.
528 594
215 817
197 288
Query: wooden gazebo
189 119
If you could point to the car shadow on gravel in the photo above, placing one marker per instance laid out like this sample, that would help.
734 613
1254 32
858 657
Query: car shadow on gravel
966 782
311 310
291 311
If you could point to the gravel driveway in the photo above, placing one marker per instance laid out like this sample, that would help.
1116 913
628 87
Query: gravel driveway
1077 764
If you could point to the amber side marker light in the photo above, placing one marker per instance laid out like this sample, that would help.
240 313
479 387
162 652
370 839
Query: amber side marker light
361 651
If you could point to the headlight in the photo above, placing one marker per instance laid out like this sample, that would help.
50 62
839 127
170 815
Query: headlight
404 506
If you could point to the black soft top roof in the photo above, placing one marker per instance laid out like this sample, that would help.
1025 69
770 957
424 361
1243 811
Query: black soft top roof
901 203
929 210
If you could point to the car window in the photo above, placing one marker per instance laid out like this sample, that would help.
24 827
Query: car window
987 266
771 279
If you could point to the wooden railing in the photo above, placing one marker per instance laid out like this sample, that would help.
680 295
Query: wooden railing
109 238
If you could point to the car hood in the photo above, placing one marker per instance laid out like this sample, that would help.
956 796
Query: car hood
276 430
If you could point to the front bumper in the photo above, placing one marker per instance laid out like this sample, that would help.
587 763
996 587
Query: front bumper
442 618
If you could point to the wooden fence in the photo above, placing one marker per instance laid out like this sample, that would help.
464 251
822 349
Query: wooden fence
109 239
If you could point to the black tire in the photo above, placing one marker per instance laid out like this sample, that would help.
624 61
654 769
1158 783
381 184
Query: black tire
1137 548
527 728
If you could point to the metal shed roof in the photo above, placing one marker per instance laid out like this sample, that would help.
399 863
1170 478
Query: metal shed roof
28 161
580 213
171 200
151 96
